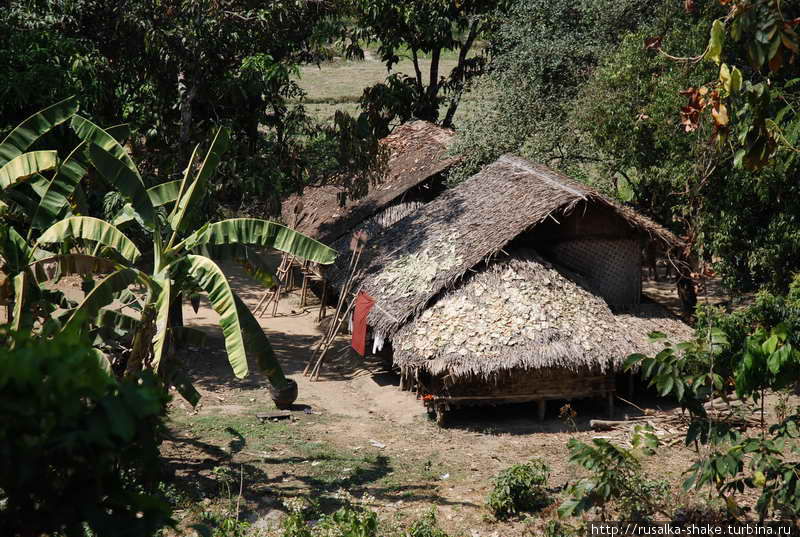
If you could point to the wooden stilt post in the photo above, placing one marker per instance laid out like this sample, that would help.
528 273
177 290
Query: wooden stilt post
542 408
610 399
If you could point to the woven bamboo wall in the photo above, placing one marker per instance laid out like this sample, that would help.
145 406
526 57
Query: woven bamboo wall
612 267
537 383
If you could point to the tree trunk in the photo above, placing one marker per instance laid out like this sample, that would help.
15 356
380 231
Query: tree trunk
417 70
459 74
429 109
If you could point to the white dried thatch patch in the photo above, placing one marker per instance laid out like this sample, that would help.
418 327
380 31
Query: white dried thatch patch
522 313
412 273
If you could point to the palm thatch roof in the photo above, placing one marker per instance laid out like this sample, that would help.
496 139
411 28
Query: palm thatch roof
523 313
415 259
417 151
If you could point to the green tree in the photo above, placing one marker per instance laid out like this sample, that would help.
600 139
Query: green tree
542 53
174 70
78 448
181 251
421 28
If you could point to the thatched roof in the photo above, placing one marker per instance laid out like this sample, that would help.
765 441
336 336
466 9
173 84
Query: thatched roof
417 152
523 313
419 256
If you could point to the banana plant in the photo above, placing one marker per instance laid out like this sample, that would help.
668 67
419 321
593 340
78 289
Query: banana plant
182 256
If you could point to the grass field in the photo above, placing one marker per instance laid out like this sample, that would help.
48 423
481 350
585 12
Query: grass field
338 85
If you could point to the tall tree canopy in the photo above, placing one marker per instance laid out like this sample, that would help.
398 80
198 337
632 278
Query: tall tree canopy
421 28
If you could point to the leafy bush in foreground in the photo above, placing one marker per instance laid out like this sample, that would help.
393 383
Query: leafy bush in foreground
78 449
520 488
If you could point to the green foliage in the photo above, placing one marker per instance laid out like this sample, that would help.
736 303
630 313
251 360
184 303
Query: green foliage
420 27
349 521
760 359
174 242
427 526
520 488
543 53
76 445
616 478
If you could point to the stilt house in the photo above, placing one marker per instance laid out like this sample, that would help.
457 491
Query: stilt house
517 285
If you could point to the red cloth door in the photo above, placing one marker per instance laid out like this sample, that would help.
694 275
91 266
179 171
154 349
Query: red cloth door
364 303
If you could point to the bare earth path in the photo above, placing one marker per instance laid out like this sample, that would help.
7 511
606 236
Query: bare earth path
362 435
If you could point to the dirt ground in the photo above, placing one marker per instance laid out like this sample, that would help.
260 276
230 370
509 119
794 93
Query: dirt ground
355 430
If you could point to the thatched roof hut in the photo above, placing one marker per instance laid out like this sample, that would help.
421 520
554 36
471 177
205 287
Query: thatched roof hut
517 285
417 154
522 313
429 250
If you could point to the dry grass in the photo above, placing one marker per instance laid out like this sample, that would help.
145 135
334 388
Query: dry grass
338 85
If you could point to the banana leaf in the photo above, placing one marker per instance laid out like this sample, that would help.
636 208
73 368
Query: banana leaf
258 344
30 130
255 265
111 321
194 192
22 320
165 296
209 277
55 201
14 249
256 232
26 165
103 361
93 134
164 193
86 227
129 184
102 295
119 132
185 182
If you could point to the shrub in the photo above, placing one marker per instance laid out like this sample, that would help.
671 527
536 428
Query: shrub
78 449
349 521
427 526
616 479
520 488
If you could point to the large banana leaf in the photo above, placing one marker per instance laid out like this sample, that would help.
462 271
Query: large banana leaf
55 201
256 232
258 344
119 132
14 249
86 227
185 182
123 179
93 134
102 360
208 276
113 323
255 265
21 319
25 165
164 193
27 132
102 295
38 183
193 194
163 300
